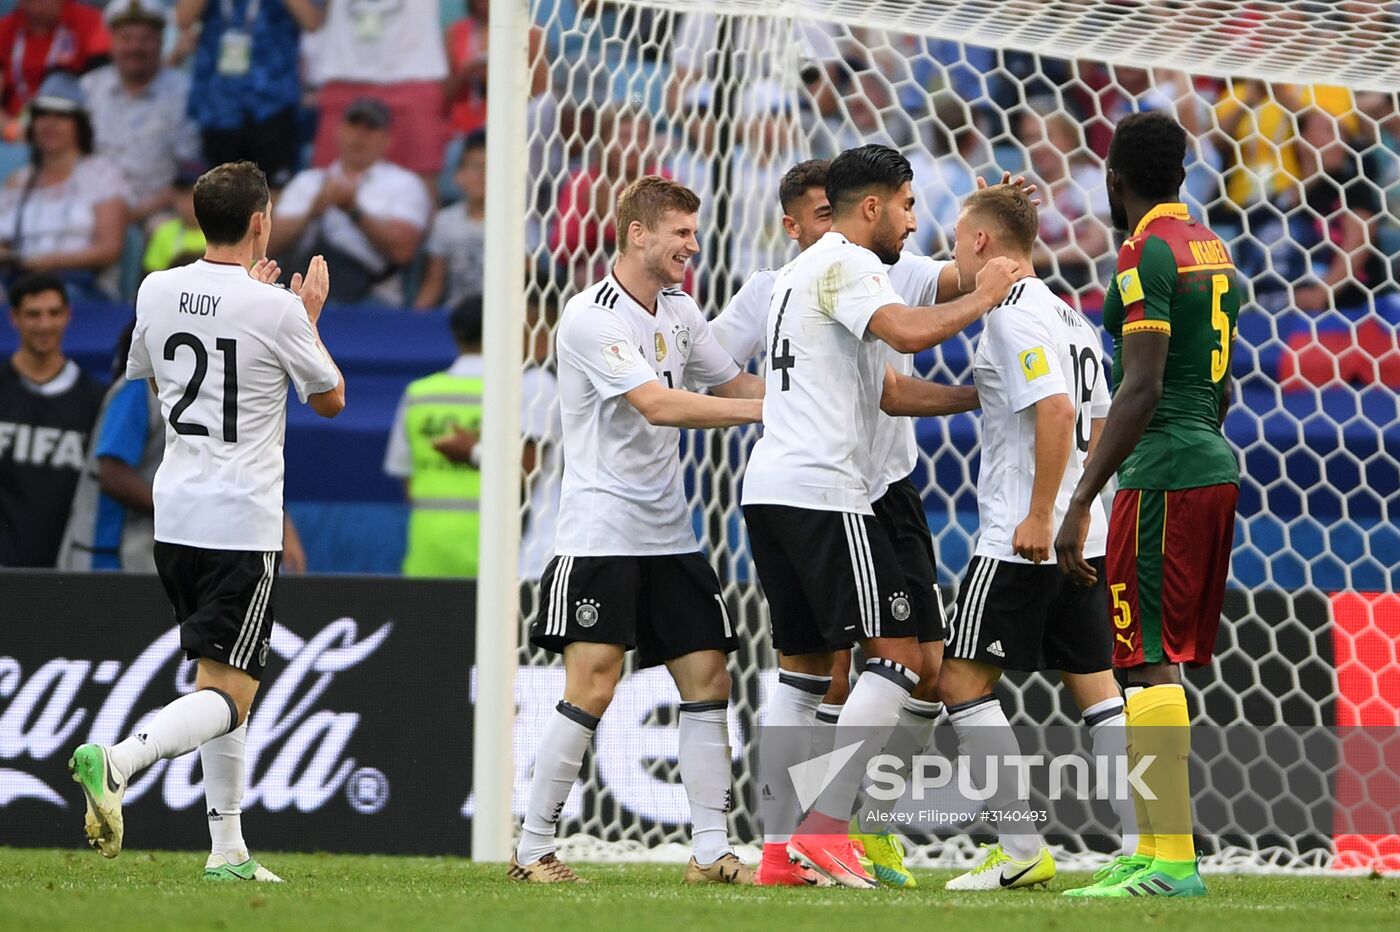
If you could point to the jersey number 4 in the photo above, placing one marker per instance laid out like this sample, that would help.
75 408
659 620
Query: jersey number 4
782 361
201 368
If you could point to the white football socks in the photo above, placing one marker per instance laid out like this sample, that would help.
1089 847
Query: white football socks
1108 732
705 757
784 740
824 737
911 736
224 773
177 729
985 738
557 762
869 716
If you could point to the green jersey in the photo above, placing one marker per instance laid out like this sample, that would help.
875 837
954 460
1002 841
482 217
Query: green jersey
1175 277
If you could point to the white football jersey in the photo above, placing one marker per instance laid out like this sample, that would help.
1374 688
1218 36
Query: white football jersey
622 493
824 378
222 348
739 329
1033 346
895 450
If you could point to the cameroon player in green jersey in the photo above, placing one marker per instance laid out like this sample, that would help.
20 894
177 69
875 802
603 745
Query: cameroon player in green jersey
1171 310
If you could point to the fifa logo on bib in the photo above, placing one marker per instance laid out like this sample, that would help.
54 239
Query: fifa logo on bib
899 606
586 614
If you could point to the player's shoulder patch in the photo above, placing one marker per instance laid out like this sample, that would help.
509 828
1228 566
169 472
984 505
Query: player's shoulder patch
1129 283
1034 363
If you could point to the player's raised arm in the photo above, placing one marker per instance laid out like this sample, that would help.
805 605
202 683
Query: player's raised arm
318 380
915 329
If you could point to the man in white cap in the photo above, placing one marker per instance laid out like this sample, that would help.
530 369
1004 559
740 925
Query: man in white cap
138 107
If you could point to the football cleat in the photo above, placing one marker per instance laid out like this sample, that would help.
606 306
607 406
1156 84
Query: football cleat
728 869
1112 874
548 869
999 871
833 857
103 789
885 852
222 867
1154 880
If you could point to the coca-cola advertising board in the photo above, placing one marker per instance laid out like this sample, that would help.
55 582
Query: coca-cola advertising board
360 738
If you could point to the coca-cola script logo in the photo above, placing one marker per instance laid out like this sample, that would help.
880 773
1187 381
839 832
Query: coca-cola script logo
49 709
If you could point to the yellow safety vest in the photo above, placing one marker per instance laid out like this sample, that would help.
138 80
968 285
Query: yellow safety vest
444 524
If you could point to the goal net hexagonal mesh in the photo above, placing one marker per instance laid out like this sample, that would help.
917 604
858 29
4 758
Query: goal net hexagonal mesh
1294 160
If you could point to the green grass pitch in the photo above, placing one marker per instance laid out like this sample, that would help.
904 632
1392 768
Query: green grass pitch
53 889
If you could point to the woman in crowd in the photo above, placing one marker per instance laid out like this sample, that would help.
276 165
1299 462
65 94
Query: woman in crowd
65 212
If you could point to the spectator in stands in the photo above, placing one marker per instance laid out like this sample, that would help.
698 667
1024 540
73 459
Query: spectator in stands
65 213
392 52
179 240
584 233
47 407
467 57
542 432
364 213
1074 236
37 37
444 492
1343 204
247 104
457 242
763 153
112 526
138 108
1258 119
945 162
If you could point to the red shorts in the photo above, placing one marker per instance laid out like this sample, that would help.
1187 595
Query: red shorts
1168 558
419 130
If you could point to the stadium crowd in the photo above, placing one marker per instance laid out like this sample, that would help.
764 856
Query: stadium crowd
370 122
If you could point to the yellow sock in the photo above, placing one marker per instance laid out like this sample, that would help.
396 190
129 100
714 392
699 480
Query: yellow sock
1158 725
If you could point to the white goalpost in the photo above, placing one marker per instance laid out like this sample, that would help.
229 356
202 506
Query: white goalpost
1294 159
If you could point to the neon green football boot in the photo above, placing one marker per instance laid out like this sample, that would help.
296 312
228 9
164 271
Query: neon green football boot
222 867
885 852
1112 874
103 789
1160 878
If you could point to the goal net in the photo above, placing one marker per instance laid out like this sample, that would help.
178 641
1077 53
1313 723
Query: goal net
1294 159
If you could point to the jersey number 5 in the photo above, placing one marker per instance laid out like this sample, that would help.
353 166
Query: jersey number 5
201 368
1220 322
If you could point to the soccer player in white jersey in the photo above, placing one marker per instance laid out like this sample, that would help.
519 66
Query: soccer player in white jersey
219 344
739 328
1040 380
828 567
628 573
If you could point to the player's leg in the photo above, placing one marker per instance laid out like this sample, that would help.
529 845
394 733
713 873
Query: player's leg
829 711
1173 581
900 511
805 664
588 615
220 599
1078 642
688 628
1000 620
860 591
